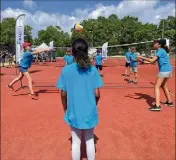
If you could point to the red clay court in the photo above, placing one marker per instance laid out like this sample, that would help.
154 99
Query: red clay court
127 130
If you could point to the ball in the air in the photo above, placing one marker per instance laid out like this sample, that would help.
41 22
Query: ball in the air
78 27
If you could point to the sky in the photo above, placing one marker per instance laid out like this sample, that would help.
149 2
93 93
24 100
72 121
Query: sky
43 13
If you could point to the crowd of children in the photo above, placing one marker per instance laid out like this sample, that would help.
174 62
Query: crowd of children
8 57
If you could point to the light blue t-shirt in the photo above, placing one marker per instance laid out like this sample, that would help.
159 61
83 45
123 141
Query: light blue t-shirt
69 59
133 59
163 61
98 59
65 57
80 85
27 59
127 55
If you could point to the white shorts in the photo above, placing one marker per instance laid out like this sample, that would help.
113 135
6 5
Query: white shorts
133 69
164 74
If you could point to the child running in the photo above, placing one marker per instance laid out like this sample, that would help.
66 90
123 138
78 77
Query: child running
133 65
79 84
25 64
68 58
165 72
98 62
127 64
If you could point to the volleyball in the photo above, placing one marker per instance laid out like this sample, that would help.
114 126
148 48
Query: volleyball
78 27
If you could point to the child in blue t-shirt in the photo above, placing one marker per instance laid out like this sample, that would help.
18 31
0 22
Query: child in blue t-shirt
98 62
79 84
25 64
68 58
165 72
133 65
127 61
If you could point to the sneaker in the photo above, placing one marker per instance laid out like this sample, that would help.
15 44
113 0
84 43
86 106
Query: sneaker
135 82
10 87
130 81
168 104
34 97
155 108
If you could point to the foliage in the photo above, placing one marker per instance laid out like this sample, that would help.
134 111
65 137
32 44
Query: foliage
96 32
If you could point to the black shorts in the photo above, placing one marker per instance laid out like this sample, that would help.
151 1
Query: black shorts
127 64
99 67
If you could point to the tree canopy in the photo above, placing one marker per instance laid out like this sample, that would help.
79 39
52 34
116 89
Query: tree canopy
96 31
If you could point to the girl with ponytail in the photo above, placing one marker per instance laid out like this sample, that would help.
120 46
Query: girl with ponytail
165 72
79 83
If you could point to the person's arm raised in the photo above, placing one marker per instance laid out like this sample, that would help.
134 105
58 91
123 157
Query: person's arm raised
41 50
151 60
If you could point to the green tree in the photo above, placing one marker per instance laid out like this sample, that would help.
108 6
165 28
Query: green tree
28 34
8 32
54 33
169 29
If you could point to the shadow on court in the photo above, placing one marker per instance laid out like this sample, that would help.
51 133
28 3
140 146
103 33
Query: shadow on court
24 94
46 91
37 93
147 97
83 145
34 71
20 88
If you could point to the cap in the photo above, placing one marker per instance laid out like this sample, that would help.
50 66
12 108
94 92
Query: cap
25 44
160 41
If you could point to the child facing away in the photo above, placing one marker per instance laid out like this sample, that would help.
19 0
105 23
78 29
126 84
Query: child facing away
98 62
79 84
68 58
133 65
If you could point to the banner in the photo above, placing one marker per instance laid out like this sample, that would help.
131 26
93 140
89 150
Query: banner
167 42
51 45
19 38
105 50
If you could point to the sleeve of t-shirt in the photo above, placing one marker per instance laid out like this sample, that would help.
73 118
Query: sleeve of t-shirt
98 80
64 58
158 54
61 82
28 53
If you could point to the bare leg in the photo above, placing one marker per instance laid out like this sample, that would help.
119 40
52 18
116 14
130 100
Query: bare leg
166 91
27 75
101 72
136 76
158 84
126 71
130 78
16 79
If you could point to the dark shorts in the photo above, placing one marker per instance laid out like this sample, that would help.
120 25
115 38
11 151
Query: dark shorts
99 67
2 60
22 69
127 64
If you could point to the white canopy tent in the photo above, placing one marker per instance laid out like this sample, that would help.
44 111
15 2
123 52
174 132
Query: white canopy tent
42 46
